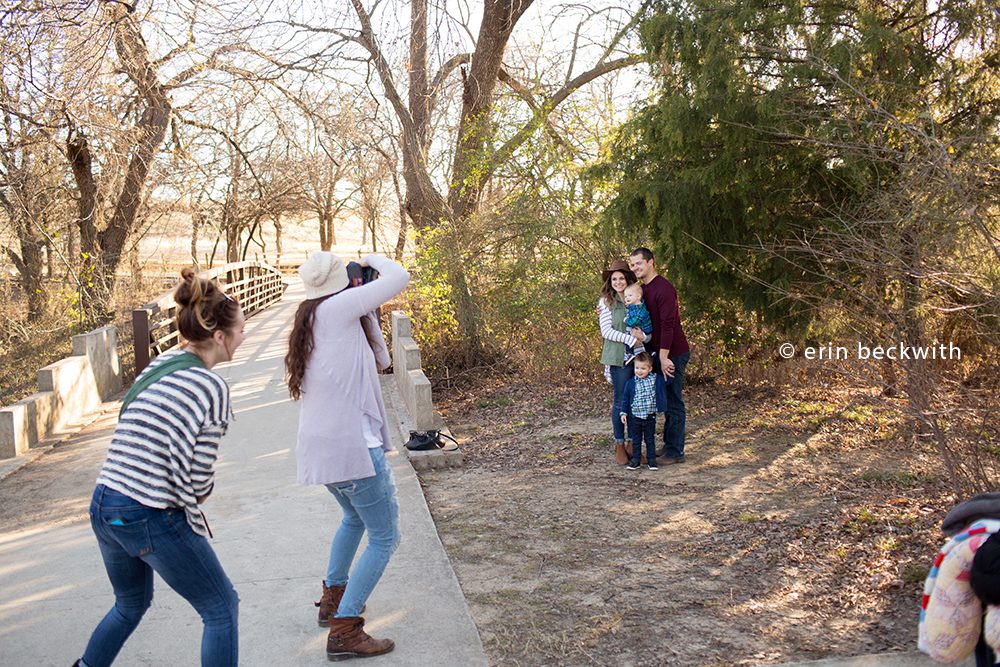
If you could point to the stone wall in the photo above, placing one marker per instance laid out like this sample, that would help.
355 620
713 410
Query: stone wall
68 390
413 385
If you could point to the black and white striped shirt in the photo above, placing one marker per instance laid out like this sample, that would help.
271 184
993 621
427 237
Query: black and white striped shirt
163 451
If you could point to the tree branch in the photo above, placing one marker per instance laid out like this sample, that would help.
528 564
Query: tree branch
447 68
411 141
232 142
545 109
525 94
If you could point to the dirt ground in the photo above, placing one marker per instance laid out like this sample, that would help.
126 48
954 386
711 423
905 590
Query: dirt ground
801 527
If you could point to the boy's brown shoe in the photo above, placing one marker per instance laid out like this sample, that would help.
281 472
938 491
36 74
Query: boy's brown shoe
348 639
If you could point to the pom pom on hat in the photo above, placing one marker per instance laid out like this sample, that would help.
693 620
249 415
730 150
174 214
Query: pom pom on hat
323 274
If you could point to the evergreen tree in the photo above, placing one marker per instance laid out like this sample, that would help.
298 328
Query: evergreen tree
775 127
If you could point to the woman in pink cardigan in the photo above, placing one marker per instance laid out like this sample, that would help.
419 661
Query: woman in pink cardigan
344 435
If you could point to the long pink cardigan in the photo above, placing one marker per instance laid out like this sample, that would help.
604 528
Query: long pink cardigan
341 383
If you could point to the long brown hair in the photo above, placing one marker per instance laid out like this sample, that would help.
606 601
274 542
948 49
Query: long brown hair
608 292
300 345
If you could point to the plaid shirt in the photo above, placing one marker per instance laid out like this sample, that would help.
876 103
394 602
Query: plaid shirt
644 402
636 315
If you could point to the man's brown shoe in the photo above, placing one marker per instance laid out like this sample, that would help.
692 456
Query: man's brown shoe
348 639
670 460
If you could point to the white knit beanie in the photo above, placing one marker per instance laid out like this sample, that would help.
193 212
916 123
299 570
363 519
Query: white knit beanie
323 274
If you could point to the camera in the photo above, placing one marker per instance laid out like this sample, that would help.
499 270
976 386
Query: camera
359 275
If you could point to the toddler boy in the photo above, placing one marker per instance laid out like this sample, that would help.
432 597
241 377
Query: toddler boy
636 315
644 394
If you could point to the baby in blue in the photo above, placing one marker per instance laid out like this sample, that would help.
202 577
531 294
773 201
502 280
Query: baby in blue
636 315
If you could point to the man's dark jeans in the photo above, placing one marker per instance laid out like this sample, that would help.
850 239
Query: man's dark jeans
640 429
675 416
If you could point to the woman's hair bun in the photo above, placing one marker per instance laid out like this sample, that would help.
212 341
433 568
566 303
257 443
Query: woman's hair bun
189 291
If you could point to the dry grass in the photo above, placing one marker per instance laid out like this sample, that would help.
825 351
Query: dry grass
801 527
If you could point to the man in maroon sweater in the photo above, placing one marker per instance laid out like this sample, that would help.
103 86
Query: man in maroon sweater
669 347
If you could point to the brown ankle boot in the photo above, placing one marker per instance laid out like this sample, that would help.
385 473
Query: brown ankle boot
348 639
329 602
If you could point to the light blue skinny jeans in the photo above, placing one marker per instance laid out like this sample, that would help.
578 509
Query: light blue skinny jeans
369 504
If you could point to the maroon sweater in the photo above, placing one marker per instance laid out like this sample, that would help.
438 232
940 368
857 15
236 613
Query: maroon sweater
665 310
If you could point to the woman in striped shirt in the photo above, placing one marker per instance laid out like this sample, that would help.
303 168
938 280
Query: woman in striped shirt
611 318
160 467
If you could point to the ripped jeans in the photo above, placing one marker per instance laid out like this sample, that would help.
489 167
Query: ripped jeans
369 504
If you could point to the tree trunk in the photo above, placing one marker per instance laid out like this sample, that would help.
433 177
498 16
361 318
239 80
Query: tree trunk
419 98
326 239
329 212
468 312
196 223
29 267
88 207
277 238
233 241
134 55
404 222
425 211
231 222
101 249
468 172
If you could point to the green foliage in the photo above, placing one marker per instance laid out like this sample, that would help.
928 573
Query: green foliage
532 260
430 293
776 126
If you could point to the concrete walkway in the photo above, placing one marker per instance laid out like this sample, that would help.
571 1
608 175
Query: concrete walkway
271 535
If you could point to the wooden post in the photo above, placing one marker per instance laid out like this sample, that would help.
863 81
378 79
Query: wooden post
140 338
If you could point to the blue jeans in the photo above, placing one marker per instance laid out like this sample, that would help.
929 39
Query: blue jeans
675 416
369 504
639 430
135 540
619 376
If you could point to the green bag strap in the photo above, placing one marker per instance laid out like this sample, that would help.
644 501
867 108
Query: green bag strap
177 363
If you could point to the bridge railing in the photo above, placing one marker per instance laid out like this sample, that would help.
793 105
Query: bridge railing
254 285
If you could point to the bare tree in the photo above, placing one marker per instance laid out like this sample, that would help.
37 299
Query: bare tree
475 152
31 181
